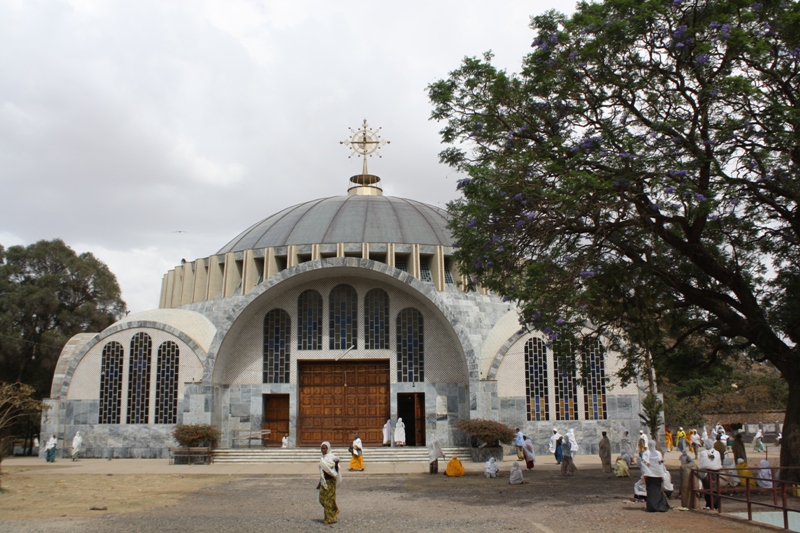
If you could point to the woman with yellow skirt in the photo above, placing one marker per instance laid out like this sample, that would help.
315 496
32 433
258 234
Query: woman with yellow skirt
329 476
357 455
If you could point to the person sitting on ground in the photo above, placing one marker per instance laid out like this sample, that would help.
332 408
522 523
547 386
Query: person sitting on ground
491 470
640 490
745 474
515 477
668 487
728 477
621 468
454 468
764 475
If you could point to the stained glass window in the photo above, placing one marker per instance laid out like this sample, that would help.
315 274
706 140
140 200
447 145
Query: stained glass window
139 379
277 340
343 317
536 379
376 320
594 393
566 385
167 365
111 383
410 346
309 318
425 269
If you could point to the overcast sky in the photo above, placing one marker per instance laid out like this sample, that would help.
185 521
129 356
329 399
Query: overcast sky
151 131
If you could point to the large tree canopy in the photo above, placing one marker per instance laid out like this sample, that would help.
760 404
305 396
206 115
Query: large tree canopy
48 293
641 173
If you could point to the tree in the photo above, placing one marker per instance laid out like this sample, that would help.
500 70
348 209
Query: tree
644 145
17 402
48 293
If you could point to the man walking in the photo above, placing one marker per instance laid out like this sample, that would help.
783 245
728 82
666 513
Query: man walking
518 442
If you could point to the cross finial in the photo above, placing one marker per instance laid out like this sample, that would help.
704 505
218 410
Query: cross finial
364 142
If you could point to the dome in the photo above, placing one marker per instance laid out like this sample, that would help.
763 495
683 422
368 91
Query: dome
352 218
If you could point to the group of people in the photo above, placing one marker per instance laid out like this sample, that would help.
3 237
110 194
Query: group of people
52 446
564 449
399 433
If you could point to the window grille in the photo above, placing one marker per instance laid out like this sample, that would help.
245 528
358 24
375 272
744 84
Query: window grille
401 264
277 340
111 383
594 393
536 379
410 346
343 318
566 385
139 379
167 365
309 317
425 269
376 320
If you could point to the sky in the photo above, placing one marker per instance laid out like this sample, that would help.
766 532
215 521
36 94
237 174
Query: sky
151 131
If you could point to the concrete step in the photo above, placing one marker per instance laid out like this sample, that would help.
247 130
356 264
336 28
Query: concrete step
302 455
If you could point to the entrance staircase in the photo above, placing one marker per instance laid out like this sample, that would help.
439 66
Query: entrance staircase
382 454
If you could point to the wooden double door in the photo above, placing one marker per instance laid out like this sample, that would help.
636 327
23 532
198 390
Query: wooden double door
338 399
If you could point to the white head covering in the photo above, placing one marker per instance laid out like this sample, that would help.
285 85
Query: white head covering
652 463
387 431
515 478
327 465
573 444
758 435
77 441
764 475
527 449
491 466
435 449
400 431
730 471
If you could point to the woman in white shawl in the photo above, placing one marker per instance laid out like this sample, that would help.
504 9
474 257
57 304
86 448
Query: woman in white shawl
758 442
387 433
357 455
764 475
728 478
626 448
573 444
50 449
77 442
710 461
400 433
529 453
434 452
491 470
515 477
652 465
329 476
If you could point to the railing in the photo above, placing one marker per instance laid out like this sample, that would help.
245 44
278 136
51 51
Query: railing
781 490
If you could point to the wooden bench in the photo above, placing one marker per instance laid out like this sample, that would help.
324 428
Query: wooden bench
193 456
249 435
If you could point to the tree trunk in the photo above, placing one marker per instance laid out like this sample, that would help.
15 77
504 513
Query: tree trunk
790 443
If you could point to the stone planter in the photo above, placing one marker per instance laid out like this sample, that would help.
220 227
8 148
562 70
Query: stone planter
481 455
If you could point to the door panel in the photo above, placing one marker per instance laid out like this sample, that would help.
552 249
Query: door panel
276 418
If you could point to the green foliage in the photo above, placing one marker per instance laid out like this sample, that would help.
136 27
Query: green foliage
17 402
638 179
192 435
487 431
651 413
48 293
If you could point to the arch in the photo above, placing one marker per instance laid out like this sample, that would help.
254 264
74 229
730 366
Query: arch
277 346
342 318
594 391
139 379
376 320
167 366
410 346
111 365
536 380
309 318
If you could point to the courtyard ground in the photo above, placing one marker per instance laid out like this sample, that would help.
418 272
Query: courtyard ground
150 496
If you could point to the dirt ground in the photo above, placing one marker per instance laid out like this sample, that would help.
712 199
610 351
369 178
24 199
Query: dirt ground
397 503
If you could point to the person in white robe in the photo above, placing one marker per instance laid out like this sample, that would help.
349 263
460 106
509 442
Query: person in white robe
515 477
554 447
529 453
652 465
573 443
641 444
764 475
400 433
640 490
626 447
728 477
50 449
758 442
434 452
285 441
491 470
669 488
711 462
77 445
387 433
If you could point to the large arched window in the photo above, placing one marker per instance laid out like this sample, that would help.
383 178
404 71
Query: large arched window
139 379
376 320
536 379
277 340
167 365
594 393
410 346
309 320
343 318
566 384
111 383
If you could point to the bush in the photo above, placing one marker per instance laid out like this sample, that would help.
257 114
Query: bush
487 431
192 435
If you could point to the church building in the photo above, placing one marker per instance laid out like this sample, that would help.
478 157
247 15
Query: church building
325 319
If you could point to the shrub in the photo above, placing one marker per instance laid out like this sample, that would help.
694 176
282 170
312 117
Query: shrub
191 435
488 431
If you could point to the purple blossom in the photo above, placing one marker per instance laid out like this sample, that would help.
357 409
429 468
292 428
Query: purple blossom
520 223
678 173
530 216
669 190
560 322
714 217
700 197
573 54
462 183
726 31
679 45
519 197
734 202
537 316
714 25
477 264
702 59
501 249
553 38
796 53
676 3
676 206
624 155
547 330
680 32
757 6
553 336
567 257
586 274
472 223
495 238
